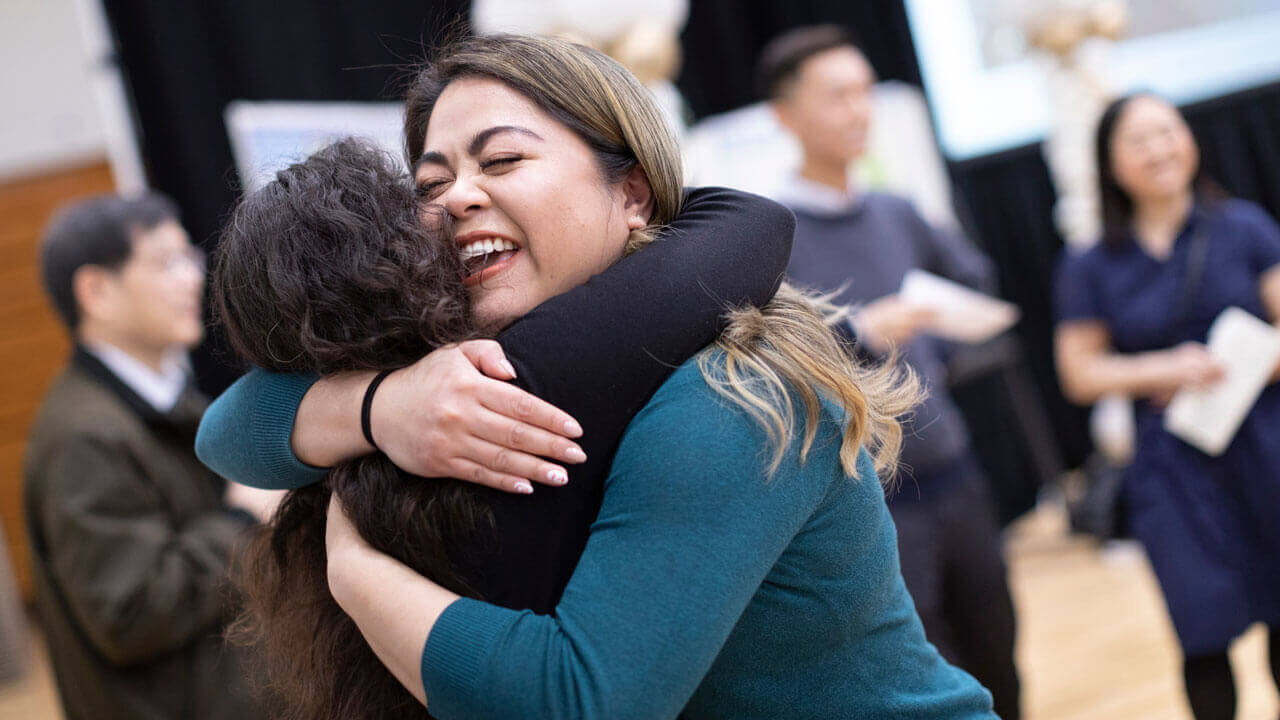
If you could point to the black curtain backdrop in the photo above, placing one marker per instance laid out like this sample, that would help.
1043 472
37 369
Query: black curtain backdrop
185 61
729 34
1007 200
1239 138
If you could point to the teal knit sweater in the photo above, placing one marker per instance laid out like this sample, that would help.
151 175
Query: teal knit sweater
707 588
244 435
710 588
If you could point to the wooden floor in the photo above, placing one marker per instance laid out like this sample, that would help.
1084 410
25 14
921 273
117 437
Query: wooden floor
1095 642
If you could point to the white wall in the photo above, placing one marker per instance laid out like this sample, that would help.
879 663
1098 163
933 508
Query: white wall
48 113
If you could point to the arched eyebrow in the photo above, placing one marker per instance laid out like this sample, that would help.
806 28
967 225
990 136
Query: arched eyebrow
476 145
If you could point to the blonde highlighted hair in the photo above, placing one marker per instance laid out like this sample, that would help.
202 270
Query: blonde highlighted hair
768 353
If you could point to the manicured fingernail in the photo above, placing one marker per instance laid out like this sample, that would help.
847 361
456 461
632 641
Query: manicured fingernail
524 488
574 454
572 428
557 476
506 365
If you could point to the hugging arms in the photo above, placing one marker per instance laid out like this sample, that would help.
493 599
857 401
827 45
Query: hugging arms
597 352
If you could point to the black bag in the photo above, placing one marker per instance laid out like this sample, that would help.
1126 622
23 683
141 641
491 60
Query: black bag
1099 510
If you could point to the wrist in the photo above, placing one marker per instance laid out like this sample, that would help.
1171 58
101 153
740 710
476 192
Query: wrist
366 407
1158 374
326 430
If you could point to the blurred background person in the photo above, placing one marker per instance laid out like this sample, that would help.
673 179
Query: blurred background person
860 245
130 535
1134 312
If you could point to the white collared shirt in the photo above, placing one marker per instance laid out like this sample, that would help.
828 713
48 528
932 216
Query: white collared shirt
801 192
159 389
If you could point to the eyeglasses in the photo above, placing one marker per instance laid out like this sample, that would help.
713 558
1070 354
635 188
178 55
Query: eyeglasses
173 262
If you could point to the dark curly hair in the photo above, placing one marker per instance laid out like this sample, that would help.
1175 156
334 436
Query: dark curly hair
326 269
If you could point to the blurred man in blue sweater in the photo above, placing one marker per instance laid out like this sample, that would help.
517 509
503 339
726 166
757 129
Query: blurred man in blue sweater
859 245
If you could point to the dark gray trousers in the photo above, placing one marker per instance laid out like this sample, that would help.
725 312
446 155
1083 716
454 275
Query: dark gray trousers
949 543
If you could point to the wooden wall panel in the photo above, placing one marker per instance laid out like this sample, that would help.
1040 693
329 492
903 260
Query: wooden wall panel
33 346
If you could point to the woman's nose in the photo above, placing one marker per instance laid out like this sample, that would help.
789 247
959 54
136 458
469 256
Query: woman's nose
463 196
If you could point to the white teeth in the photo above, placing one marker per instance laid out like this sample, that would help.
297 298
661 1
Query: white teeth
484 247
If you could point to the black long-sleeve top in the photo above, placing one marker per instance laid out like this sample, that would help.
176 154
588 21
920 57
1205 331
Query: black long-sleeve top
598 352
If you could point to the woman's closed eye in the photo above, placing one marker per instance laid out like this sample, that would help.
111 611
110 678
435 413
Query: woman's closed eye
428 189
500 163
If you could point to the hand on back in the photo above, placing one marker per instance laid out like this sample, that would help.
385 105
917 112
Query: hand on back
453 414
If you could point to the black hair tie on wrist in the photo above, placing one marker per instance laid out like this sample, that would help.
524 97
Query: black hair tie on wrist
367 406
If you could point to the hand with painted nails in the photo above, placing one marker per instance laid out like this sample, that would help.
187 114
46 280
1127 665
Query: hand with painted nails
453 414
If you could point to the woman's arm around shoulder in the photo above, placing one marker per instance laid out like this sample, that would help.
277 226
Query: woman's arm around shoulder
625 329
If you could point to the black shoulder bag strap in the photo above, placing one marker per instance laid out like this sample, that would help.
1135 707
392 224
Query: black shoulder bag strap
1192 279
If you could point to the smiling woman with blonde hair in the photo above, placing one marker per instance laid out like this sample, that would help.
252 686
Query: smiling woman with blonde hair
743 563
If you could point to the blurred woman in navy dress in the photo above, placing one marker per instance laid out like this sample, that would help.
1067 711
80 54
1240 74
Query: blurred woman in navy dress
1133 314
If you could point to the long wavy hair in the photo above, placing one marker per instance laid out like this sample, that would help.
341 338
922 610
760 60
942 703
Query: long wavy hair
326 269
771 355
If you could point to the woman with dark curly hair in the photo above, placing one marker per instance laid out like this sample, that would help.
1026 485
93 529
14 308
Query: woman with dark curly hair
329 269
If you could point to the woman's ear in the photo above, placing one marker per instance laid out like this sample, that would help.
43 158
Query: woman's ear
637 197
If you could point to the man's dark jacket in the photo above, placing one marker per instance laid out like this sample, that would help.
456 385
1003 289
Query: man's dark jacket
131 542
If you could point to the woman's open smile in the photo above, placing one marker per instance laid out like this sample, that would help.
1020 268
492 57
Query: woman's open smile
532 213
485 255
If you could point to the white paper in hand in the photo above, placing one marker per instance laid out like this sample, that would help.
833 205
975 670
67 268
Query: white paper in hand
1249 349
961 314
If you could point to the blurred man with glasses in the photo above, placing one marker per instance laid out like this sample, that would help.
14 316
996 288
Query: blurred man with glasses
131 535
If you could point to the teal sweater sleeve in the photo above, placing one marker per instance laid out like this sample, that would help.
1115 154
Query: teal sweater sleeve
244 436
690 526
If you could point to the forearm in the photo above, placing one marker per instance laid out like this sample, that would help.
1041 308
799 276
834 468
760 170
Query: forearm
327 428
394 608
654 596
725 249
1135 375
